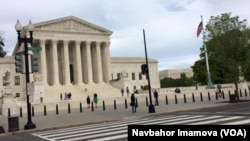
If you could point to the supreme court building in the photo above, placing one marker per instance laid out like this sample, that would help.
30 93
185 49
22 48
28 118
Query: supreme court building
75 56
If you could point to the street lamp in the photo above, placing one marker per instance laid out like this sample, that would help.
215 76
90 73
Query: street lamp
151 107
25 40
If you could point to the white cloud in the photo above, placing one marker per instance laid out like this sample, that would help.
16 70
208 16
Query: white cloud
170 25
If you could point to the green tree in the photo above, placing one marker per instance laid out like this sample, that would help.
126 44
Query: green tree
225 39
246 65
2 52
183 81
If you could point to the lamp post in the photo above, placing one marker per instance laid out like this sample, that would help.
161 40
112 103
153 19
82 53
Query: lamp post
151 107
25 40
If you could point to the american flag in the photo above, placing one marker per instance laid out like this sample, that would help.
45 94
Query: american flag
199 29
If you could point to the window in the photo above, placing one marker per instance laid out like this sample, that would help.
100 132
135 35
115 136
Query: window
140 76
133 76
4 81
17 94
17 80
118 76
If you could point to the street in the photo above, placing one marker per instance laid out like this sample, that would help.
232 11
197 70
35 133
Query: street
232 114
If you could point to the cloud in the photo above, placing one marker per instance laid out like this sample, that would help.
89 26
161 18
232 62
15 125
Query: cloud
170 26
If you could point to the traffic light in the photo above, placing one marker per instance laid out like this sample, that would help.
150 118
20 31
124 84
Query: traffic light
19 63
34 64
144 69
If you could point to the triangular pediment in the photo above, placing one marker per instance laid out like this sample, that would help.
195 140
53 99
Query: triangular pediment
70 24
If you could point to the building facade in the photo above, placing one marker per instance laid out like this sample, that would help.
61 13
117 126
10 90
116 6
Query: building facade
75 53
175 73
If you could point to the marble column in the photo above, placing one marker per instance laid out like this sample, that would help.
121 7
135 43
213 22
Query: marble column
43 62
99 62
78 63
89 65
55 62
107 64
66 62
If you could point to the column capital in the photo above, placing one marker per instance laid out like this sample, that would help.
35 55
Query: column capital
108 43
42 40
54 41
65 40
88 42
77 42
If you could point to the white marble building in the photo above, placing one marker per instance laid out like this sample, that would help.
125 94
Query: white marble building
175 73
75 56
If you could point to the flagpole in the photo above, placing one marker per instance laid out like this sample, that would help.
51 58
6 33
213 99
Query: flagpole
209 81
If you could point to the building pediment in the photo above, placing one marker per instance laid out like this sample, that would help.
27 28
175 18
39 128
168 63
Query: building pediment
70 24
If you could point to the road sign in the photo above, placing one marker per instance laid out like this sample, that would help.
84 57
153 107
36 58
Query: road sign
30 87
35 49
20 53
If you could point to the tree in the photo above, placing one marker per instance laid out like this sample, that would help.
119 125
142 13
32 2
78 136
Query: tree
183 81
246 66
225 39
2 52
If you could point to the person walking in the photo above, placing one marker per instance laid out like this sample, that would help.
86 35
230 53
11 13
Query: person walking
122 91
95 100
88 101
127 90
133 103
61 97
156 98
65 96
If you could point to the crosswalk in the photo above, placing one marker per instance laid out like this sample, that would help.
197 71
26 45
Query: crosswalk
117 131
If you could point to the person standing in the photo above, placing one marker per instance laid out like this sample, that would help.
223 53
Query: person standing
88 101
156 98
133 103
41 97
127 90
61 97
95 100
122 91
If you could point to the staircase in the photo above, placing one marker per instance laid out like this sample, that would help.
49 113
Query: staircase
80 92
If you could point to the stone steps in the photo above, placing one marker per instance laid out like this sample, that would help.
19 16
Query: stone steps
80 92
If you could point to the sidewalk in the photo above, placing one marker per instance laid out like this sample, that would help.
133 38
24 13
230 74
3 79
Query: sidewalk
115 109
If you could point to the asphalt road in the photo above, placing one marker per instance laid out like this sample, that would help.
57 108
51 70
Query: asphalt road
241 109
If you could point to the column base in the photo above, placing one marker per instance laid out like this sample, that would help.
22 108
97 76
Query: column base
56 84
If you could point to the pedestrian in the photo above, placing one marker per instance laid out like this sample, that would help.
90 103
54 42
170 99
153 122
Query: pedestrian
219 91
65 96
196 87
95 100
69 96
61 97
41 97
88 101
122 91
156 98
127 90
133 103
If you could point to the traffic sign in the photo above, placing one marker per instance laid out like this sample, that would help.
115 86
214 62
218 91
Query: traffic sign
35 49
30 87
20 53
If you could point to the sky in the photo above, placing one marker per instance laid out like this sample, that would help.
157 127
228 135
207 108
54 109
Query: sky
170 25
